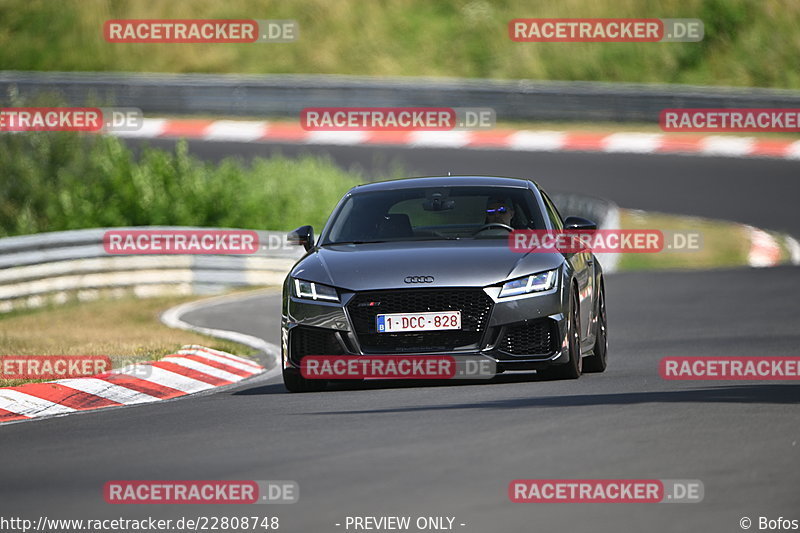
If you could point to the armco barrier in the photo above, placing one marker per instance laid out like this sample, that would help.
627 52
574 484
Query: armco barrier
287 95
52 268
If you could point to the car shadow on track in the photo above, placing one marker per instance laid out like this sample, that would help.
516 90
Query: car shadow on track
278 388
742 394
775 394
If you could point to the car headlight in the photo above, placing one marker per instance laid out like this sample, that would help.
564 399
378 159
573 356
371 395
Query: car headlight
543 281
315 291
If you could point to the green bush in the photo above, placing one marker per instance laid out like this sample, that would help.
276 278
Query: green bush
53 182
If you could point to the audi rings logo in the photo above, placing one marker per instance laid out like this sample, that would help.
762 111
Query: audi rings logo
419 279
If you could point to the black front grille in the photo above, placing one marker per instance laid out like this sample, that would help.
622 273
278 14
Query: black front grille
533 338
313 341
474 305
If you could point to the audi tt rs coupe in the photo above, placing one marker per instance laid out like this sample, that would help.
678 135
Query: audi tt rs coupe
424 266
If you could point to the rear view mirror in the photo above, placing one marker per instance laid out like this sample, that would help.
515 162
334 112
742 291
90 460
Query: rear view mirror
302 236
579 223
438 202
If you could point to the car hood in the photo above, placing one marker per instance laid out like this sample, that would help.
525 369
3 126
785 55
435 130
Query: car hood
451 263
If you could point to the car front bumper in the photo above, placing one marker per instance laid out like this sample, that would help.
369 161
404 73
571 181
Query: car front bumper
517 334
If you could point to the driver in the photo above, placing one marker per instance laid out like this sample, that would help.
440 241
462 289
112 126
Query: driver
499 211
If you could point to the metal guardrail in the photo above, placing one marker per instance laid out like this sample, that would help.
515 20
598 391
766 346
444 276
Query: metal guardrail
52 268
287 95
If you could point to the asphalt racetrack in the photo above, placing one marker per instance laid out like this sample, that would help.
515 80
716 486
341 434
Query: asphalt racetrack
451 450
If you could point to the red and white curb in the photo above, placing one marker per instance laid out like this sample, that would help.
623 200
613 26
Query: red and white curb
192 369
765 250
499 139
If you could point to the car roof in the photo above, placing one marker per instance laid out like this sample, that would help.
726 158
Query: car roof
444 181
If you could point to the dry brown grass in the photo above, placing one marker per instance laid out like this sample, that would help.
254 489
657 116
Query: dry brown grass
127 330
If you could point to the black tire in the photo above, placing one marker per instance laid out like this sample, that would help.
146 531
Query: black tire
573 368
294 382
597 362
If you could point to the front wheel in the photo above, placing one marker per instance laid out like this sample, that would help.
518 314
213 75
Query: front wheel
294 382
573 368
597 362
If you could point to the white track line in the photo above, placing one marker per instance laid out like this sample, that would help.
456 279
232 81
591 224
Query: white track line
172 318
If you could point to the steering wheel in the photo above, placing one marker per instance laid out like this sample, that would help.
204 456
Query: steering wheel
493 225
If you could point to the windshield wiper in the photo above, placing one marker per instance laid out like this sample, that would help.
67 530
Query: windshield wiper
351 242
394 240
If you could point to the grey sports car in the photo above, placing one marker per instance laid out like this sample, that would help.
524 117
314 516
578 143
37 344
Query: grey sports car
440 245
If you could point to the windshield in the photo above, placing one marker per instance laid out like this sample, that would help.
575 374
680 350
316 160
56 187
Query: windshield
434 213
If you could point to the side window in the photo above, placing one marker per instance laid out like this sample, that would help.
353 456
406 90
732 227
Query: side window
552 213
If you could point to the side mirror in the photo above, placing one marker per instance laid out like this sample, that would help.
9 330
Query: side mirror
302 236
579 223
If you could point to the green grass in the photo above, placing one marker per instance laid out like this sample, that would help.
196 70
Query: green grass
53 182
723 244
747 42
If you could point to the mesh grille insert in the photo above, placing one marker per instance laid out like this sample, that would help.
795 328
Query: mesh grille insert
313 341
474 305
534 338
